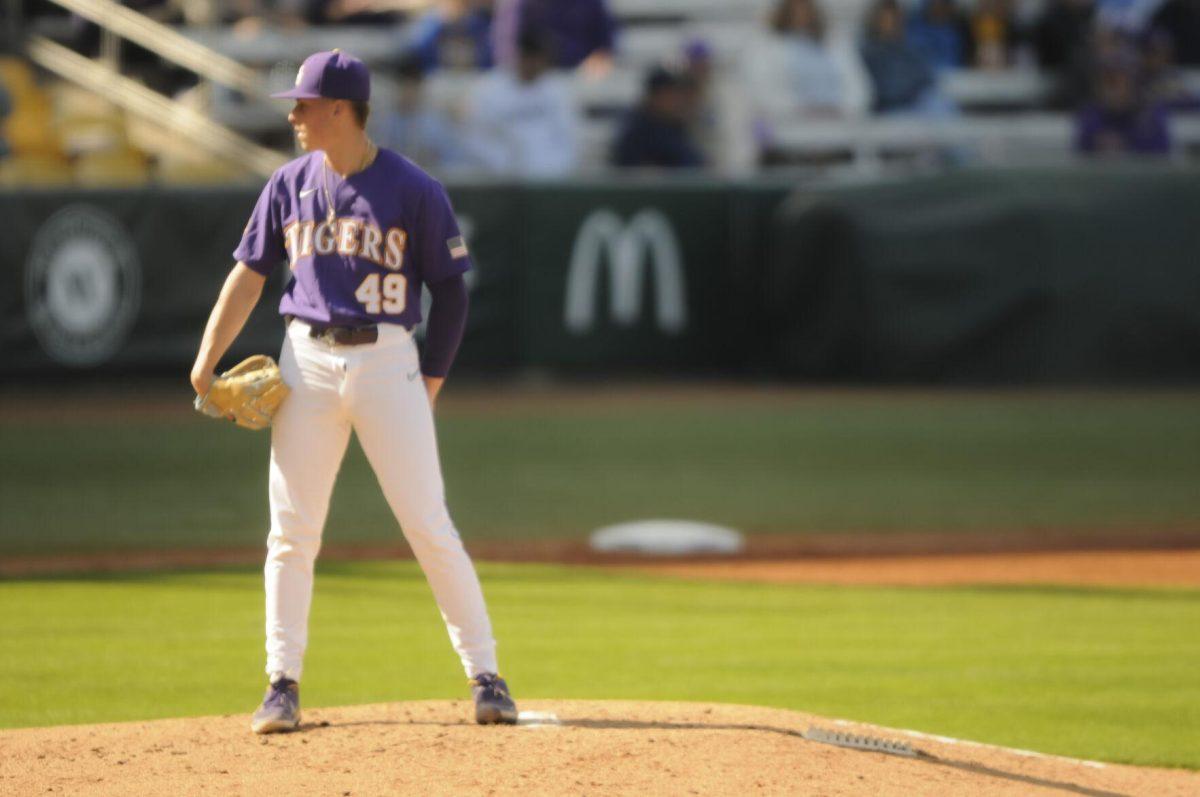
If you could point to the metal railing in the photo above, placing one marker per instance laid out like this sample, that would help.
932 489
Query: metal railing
167 43
1001 139
136 98
103 77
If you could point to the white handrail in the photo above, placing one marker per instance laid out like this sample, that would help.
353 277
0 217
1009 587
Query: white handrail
165 42
136 98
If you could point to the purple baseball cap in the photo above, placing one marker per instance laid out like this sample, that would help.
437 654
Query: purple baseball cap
333 75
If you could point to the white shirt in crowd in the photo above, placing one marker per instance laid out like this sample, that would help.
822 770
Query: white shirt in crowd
523 129
791 74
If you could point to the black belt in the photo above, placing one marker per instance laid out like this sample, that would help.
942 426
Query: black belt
339 336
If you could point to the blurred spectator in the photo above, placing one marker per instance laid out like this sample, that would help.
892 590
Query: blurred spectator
1073 39
1120 119
582 32
939 32
703 113
416 128
1180 20
1103 44
995 34
522 120
203 13
249 17
903 80
1164 82
454 34
655 133
1062 32
351 12
718 110
698 67
793 68
1128 16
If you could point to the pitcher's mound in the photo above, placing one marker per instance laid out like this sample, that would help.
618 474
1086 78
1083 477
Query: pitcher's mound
561 747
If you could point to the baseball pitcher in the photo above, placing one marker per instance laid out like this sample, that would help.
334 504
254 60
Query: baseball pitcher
362 229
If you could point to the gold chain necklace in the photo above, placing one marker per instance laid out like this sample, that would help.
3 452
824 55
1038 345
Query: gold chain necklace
368 156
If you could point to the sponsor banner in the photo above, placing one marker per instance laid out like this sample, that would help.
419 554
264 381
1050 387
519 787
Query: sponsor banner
564 277
630 278
118 279
83 285
124 280
1067 275
488 220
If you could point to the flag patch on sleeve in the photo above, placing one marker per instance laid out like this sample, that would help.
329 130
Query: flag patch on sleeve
457 246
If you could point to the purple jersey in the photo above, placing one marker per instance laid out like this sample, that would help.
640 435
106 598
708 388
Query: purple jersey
391 230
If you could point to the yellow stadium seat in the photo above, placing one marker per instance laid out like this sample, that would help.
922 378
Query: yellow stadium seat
86 122
162 142
65 118
82 135
17 76
116 168
71 101
190 172
29 130
24 171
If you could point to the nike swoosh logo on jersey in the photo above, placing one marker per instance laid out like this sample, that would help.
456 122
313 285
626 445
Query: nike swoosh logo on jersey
306 192
414 375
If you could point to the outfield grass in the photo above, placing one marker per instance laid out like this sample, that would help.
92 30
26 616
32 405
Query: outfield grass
1106 674
875 462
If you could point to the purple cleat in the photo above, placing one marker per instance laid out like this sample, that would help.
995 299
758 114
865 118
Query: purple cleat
493 704
280 710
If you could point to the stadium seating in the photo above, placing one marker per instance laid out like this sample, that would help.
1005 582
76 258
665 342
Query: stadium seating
35 171
172 171
29 130
123 167
1016 125
87 123
1004 116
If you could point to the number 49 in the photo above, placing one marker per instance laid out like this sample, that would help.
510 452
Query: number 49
391 300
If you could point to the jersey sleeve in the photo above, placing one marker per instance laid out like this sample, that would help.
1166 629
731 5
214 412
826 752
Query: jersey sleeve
442 248
261 247
447 323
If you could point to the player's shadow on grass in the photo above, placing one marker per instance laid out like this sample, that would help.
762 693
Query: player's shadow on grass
620 724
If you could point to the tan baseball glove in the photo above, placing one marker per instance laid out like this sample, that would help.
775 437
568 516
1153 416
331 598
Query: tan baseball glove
247 394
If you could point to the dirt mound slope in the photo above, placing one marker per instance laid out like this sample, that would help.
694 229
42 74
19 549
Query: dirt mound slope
560 747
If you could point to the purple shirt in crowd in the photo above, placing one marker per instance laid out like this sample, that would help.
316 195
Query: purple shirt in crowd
392 230
1143 132
577 28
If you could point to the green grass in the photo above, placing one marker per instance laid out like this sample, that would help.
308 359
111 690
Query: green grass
819 462
1106 674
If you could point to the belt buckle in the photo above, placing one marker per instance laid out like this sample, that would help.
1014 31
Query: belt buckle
327 336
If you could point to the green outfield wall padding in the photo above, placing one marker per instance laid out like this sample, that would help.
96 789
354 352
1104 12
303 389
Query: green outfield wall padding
1066 275
99 281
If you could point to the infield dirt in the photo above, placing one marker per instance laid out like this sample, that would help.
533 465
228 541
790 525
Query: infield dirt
1091 568
598 748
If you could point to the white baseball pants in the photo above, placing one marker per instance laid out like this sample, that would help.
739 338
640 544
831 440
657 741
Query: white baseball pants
377 390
